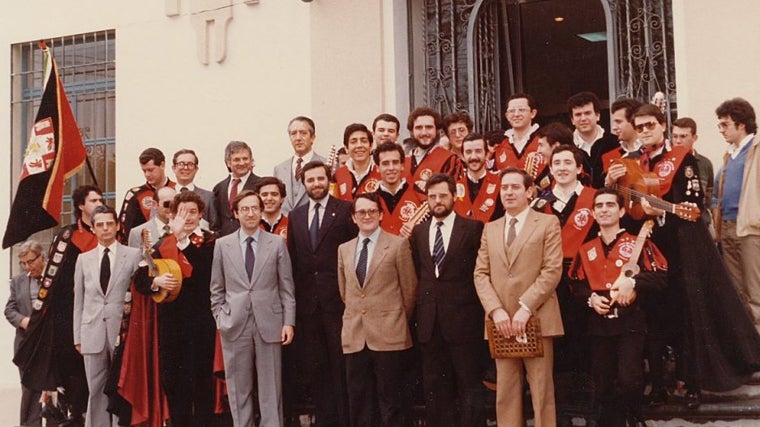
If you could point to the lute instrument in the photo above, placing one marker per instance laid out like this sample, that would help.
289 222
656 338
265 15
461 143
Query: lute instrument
159 266
631 268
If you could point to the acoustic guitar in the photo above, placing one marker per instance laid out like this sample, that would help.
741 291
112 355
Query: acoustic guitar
159 266
631 268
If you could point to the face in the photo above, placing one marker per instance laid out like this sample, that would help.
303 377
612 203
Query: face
732 132
519 114
367 216
359 147
456 133
622 127
474 155
424 131
544 148
154 174
316 183
249 214
514 196
32 263
440 200
385 132
270 195
185 167
585 118
104 225
342 159
193 215
390 167
683 136
301 137
651 132
165 198
607 213
564 169
240 163
92 201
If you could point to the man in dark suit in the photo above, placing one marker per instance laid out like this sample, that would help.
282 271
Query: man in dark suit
315 231
25 288
449 314
239 159
185 165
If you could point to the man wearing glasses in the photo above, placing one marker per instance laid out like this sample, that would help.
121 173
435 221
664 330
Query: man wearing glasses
158 226
519 140
185 166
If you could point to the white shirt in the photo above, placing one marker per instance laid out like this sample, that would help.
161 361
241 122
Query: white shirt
306 158
111 254
358 176
370 246
585 145
382 187
322 204
446 228
563 197
190 187
182 244
520 144
240 184
734 150
244 245
521 219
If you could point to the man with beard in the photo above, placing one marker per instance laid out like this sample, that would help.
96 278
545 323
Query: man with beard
477 194
518 141
449 315
315 231
428 157
359 175
398 200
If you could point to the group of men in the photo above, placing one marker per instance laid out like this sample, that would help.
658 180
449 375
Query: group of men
393 261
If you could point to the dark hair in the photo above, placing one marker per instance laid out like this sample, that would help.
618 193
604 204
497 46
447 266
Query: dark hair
386 118
530 99
386 147
456 117
372 197
494 137
650 110
740 111
474 136
577 154
313 165
438 178
234 146
309 122
421 112
610 190
582 98
555 132
341 150
355 127
184 151
187 197
79 195
686 123
270 180
242 195
105 209
152 154
629 104
527 179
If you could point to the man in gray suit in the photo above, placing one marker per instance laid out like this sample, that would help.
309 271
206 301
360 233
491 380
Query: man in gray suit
101 279
302 134
185 166
158 226
18 310
253 302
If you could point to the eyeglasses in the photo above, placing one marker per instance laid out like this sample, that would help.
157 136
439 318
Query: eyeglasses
29 261
724 125
648 125
166 204
249 209
104 224
513 111
185 165
361 213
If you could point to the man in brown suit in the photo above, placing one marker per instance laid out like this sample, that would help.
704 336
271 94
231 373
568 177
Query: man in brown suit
518 267
377 282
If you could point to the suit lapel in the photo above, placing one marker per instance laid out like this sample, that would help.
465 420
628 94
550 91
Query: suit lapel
224 200
327 220
527 229
454 241
381 249
263 252
236 257
499 239
427 257
121 260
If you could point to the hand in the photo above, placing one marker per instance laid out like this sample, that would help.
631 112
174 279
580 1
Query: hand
166 281
519 320
622 291
288 332
79 348
600 304
24 323
177 222
649 209
406 230
613 174
501 321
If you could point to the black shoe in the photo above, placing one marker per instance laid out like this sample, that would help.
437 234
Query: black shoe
693 400
52 413
658 397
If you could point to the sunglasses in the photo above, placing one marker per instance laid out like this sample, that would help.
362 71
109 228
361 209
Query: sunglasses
648 126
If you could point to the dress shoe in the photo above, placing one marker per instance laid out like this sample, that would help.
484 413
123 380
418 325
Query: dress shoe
693 400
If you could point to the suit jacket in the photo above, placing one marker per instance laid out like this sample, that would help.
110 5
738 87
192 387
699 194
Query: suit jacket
315 269
377 314
225 222
449 301
19 305
296 193
135 234
209 214
528 271
269 296
97 316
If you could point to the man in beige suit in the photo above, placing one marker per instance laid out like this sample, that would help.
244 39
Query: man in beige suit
519 265
377 282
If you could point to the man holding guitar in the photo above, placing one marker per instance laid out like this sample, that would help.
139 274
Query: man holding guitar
608 273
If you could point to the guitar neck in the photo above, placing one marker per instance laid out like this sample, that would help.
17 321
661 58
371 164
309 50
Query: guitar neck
656 202
640 239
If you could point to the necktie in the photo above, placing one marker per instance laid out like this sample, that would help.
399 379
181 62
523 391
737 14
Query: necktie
250 258
105 270
314 228
166 230
299 163
234 190
438 251
361 266
183 189
512 231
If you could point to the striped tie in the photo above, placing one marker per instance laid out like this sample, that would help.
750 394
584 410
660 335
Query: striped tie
438 251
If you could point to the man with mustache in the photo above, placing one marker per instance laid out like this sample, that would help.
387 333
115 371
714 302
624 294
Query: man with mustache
427 158
477 195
